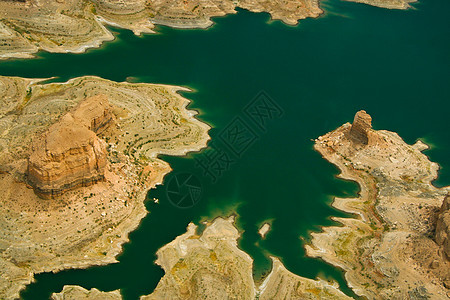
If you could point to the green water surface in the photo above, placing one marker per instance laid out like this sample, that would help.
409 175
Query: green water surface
394 64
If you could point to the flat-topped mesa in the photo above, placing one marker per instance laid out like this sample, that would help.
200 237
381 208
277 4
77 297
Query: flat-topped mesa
70 154
362 124
443 227
95 113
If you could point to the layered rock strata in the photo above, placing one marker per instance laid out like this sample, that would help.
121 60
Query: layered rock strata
362 124
387 249
443 227
70 154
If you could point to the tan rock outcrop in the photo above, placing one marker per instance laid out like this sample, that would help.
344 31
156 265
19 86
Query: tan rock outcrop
362 123
95 113
443 227
70 154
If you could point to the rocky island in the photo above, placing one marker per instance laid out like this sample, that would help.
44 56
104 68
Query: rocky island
264 229
76 162
75 25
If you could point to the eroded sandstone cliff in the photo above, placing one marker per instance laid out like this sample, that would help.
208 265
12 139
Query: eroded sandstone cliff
70 154
362 123
443 227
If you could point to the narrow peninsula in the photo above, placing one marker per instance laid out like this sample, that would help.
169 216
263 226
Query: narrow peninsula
392 248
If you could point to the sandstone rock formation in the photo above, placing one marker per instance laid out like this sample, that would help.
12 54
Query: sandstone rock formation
362 123
443 227
95 113
70 154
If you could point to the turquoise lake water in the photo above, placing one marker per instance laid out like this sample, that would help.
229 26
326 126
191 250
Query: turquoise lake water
393 64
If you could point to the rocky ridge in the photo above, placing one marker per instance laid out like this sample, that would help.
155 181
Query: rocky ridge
71 292
362 123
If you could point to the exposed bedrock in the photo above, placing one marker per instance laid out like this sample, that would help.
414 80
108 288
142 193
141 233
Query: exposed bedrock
362 123
70 154
443 227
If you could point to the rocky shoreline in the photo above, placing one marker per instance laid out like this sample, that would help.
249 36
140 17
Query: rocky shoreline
388 250
211 266
27 27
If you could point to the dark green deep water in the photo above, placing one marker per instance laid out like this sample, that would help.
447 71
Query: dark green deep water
394 64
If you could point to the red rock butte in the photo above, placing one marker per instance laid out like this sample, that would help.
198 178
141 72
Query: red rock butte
70 154
362 123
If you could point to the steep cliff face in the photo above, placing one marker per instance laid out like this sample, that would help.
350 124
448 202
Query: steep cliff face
362 123
443 227
70 154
